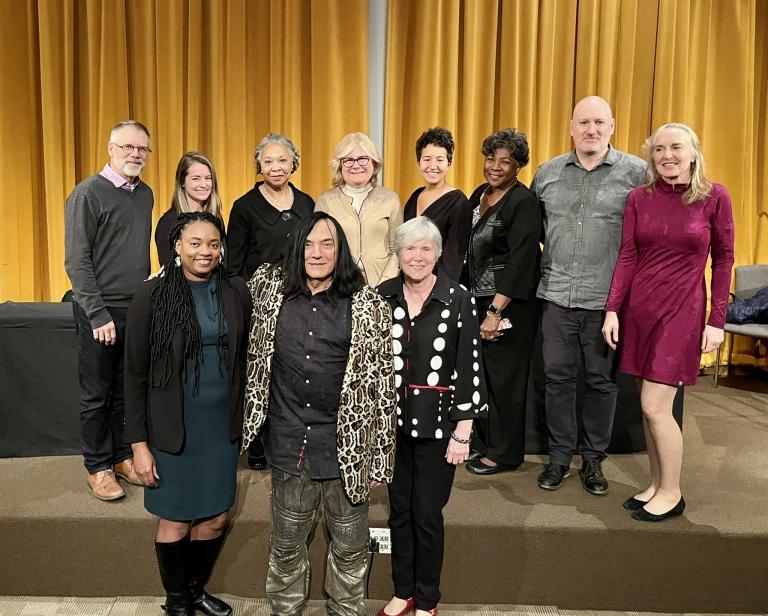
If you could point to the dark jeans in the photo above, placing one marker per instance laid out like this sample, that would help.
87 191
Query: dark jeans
566 333
418 492
102 406
295 502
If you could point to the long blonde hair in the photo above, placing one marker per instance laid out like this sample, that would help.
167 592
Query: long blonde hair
344 147
180 204
700 186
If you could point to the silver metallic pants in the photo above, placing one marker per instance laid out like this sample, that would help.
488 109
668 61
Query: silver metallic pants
295 501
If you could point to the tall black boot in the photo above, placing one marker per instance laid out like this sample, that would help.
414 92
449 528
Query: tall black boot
202 557
172 558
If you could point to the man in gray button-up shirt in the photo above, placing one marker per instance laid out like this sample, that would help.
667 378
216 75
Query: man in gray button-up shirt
582 196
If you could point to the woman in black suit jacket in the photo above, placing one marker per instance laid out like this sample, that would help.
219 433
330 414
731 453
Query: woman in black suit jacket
186 343
502 271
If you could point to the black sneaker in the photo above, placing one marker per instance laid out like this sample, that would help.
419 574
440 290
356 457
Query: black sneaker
592 478
552 476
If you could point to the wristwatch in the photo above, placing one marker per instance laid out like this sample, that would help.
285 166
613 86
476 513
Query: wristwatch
494 310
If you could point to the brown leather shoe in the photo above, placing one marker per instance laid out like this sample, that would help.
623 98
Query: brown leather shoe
125 470
105 486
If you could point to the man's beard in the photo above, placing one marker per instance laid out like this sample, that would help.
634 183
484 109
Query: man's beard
131 171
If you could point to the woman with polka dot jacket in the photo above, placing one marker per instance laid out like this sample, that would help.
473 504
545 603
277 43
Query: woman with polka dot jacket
440 391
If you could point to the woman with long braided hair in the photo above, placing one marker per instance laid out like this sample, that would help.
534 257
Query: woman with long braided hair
186 342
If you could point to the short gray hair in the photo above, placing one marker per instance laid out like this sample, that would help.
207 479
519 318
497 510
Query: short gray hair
282 140
126 123
415 230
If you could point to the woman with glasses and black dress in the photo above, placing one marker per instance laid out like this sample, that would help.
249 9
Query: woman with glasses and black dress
368 213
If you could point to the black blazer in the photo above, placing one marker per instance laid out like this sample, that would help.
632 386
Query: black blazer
155 413
504 254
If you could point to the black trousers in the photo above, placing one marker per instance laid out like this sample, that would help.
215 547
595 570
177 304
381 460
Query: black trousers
418 493
566 333
501 434
102 406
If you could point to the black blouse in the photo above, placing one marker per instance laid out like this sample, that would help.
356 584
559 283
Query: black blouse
453 216
312 341
438 364
260 233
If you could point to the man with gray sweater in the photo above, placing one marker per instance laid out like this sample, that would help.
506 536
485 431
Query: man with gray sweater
107 235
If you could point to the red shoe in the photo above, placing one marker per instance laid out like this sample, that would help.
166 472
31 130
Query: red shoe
410 604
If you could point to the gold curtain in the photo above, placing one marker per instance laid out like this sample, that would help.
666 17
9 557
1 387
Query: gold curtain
205 75
474 66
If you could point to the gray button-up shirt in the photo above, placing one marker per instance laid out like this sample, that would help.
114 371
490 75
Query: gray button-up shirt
582 213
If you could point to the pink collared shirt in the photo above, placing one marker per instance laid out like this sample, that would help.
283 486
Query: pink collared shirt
118 180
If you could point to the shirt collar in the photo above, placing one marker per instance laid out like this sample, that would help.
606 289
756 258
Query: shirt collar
610 158
118 180
330 294
440 292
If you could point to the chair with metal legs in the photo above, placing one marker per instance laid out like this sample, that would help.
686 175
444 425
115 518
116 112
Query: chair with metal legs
749 279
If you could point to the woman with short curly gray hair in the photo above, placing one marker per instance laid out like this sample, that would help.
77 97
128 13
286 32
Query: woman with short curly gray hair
262 222
263 219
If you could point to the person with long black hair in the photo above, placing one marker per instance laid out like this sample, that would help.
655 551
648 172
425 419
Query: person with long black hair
186 343
321 385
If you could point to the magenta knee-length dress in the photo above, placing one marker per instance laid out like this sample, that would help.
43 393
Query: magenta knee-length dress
658 286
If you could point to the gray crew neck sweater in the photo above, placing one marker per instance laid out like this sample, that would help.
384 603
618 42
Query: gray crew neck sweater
107 234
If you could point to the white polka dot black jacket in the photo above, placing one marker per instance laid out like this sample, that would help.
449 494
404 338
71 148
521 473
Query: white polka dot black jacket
439 374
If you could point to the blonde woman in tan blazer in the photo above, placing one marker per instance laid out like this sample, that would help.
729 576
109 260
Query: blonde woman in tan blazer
368 213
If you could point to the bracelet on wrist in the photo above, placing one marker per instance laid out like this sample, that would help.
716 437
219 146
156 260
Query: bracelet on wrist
461 441
494 315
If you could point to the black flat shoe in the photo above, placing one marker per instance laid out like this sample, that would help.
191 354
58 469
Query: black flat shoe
475 455
633 504
641 515
478 468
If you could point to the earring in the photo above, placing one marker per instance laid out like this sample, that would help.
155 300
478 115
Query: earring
177 261
221 258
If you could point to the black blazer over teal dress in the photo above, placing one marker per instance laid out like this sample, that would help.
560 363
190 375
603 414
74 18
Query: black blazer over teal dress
155 413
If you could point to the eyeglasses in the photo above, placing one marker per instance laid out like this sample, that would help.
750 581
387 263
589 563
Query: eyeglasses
360 160
128 148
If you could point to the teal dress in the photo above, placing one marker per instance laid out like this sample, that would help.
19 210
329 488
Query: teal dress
200 480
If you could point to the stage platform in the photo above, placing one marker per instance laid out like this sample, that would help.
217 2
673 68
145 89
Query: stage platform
508 542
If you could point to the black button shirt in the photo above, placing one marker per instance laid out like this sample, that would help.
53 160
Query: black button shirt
438 362
312 341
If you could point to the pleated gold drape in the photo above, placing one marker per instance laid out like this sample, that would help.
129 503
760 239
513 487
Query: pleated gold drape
475 66
205 75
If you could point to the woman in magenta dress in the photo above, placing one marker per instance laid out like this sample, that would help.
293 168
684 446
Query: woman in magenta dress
656 309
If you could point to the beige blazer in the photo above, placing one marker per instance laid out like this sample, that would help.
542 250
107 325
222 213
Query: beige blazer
371 234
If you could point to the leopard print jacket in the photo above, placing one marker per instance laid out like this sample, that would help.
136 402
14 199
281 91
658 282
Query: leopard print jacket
366 418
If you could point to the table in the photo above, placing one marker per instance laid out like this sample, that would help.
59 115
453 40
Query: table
39 389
